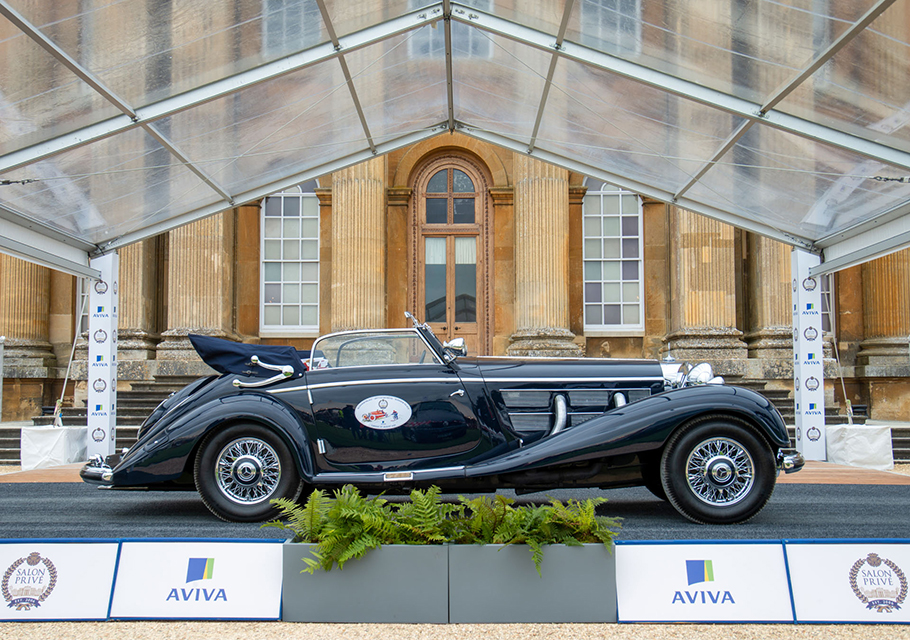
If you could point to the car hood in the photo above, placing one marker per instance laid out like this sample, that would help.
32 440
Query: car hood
567 369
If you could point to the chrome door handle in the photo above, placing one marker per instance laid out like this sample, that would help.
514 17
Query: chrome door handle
459 393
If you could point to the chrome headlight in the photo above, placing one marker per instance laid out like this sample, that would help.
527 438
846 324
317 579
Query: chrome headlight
702 374
674 373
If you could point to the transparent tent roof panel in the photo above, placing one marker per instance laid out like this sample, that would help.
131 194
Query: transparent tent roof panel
47 101
108 188
400 89
628 128
271 130
744 48
804 187
184 44
542 16
349 17
856 90
498 83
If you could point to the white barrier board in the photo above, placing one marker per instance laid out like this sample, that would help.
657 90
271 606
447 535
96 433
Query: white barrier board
198 580
56 581
702 583
850 582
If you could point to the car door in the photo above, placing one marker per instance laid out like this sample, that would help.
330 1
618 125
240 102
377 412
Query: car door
384 401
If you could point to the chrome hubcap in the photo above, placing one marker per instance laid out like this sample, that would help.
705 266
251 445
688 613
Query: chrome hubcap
720 471
248 471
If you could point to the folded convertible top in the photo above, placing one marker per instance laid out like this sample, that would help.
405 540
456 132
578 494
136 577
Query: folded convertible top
225 356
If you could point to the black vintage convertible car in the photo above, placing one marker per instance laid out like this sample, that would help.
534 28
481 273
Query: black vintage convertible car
389 410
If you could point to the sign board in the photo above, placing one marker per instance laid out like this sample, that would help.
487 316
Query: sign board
711 582
198 580
808 357
56 580
850 582
102 357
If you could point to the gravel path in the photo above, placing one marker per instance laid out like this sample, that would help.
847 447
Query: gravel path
285 630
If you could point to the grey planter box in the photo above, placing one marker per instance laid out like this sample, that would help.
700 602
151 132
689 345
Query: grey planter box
453 583
396 583
500 584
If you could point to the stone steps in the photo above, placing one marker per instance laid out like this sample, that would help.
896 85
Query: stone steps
133 407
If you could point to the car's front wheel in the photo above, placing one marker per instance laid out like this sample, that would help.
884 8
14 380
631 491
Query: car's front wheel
240 469
718 471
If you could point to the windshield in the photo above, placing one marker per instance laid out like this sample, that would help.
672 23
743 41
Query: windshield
366 348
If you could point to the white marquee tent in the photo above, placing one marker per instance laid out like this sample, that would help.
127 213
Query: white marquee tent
121 119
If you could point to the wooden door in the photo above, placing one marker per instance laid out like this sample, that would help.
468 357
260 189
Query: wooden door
450 268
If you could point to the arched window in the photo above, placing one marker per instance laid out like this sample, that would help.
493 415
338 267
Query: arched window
289 276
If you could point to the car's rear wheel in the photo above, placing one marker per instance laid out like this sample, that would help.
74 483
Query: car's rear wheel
718 471
240 469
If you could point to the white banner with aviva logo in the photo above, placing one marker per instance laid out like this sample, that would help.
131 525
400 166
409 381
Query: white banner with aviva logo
198 580
56 581
850 582
722 582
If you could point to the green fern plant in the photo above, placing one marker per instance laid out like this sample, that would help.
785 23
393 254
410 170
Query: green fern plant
495 521
347 525
426 519
306 522
353 526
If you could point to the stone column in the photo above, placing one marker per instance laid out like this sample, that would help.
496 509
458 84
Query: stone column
770 336
25 291
541 213
703 294
883 357
358 246
503 275
200 287
397 232
136 332
24 317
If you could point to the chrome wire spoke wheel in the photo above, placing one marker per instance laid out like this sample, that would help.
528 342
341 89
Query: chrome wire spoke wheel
248 471
720 471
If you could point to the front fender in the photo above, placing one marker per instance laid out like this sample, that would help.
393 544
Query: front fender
166 455
642 426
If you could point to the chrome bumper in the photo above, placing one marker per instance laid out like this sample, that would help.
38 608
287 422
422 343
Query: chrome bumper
790 460
98 470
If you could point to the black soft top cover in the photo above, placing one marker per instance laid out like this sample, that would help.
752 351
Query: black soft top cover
225 356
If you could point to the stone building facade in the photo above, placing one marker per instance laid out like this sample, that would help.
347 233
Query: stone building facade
517 256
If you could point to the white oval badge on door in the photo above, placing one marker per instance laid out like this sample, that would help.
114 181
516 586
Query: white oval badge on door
383 412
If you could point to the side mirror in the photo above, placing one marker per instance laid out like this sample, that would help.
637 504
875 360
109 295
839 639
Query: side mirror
456 347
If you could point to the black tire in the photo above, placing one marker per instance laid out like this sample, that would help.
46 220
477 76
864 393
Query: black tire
240 469
718 471
650 474
655 486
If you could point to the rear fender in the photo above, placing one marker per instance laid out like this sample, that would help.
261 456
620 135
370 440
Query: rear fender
168 455
642 427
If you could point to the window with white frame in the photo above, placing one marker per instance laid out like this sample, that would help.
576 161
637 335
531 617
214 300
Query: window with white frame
430 41
84 284
613 283
290 25
827 280
289 286
613 26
